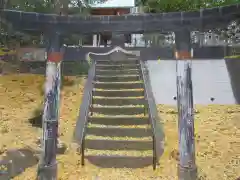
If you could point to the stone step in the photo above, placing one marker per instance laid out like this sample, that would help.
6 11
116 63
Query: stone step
118 120
118 85
117 72
126 61
114 78
100 144
119 132
118 93
133 58
120 101
117 110
117 66
110 161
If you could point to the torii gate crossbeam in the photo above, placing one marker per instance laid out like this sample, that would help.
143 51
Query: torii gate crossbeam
203 19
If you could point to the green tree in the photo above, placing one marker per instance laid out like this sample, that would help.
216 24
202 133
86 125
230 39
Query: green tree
40 6
155 6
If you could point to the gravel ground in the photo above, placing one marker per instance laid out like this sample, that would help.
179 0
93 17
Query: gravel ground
217 134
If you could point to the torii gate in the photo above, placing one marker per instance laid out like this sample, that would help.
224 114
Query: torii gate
181 23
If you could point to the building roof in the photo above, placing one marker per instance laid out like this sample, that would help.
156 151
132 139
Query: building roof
114 4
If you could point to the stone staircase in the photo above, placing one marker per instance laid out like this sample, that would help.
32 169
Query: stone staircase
118 131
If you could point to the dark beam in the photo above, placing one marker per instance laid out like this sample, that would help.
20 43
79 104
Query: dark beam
195 20
128 27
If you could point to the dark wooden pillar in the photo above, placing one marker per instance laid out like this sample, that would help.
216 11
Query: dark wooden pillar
186 168
48 165
118 39
183 44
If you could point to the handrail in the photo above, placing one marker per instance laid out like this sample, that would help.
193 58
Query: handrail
157 131
79 131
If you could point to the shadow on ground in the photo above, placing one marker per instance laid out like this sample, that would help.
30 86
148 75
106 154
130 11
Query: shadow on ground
36 120
111 161
16 161
120 161
233 66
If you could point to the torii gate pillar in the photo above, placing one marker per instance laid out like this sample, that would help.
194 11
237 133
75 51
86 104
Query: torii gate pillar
47 168
187 167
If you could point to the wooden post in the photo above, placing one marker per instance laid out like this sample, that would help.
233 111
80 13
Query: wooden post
186 168
47 169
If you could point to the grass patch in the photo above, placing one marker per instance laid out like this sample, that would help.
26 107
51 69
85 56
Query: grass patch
232 57
125 82
125 106
120 153
103 97
119 126
118 138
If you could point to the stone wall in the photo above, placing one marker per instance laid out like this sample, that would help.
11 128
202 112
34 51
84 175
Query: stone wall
167 53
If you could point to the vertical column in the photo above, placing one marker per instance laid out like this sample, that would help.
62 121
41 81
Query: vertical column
118 39
183 44
186 168
47 169
95 40
99 40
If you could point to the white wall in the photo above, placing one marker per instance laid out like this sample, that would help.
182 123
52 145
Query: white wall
210 79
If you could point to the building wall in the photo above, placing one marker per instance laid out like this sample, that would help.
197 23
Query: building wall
99 39
109 11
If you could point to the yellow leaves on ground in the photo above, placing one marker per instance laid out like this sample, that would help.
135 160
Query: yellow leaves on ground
216 131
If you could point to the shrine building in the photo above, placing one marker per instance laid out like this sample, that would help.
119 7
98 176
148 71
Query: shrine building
109 7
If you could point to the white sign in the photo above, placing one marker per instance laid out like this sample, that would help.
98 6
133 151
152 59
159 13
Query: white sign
112 3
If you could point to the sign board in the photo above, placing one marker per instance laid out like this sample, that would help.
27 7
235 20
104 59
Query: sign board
31 54
112 3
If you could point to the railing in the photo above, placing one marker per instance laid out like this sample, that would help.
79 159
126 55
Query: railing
233 51
85 109
157 132
88 98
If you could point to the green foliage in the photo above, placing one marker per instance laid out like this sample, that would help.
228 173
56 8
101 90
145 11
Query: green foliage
40 6
232 57
155 6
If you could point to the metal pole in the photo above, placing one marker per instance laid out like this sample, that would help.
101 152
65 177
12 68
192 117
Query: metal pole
187 168
47 169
